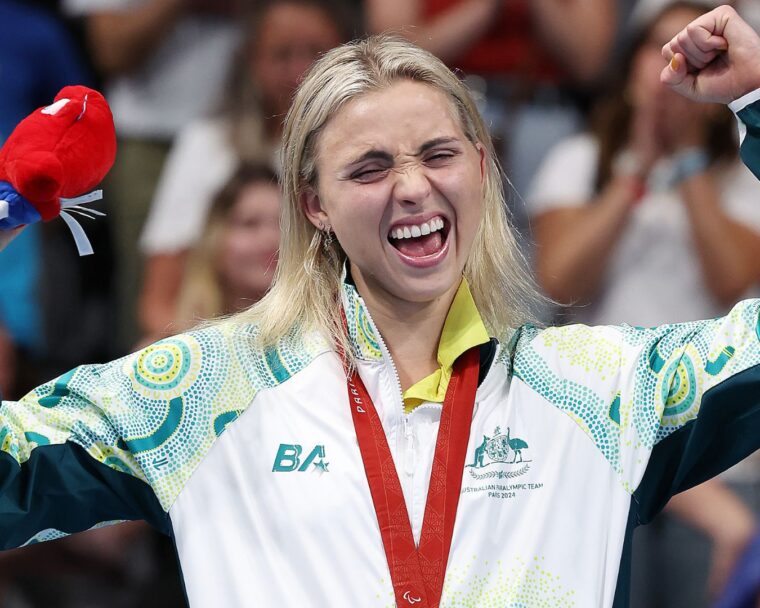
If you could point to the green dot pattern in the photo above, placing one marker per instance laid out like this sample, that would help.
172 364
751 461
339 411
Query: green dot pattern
517 583
364 338
659 375
214 371
53 534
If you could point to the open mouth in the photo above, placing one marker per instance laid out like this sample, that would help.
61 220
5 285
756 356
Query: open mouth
420 240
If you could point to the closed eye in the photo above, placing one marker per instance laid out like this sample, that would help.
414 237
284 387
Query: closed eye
369 175
440 158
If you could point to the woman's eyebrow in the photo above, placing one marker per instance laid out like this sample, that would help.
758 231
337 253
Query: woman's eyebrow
438 141
375 154
372 155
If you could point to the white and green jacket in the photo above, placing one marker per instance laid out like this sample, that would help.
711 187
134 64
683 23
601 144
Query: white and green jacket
249 459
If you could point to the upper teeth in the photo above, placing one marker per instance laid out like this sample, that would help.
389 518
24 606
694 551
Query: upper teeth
408 232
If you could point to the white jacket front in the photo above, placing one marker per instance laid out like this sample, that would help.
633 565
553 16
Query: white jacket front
249 459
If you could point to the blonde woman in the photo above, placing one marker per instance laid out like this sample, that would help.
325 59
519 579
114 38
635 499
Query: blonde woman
382 428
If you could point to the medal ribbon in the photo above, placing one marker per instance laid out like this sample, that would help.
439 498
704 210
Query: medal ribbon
417 573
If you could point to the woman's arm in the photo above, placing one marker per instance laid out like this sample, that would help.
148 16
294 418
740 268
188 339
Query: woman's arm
447 35
65 462
574 245
669 407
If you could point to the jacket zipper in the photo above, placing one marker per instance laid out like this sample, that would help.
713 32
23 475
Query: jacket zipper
408 466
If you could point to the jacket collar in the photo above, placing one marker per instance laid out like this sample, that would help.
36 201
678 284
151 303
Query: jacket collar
364 337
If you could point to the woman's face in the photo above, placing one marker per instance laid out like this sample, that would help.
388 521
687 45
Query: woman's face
250 239
400 184
672 120
290 37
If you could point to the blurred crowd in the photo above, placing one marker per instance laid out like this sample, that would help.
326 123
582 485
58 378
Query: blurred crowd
631 204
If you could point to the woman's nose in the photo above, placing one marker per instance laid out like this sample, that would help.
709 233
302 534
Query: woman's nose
412 185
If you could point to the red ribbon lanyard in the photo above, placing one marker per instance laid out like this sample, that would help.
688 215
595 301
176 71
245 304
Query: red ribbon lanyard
417 573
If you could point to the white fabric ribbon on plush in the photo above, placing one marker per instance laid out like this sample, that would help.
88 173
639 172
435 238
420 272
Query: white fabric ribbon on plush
71 207
4 211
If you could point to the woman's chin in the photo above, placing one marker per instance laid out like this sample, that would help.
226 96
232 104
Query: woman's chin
424 290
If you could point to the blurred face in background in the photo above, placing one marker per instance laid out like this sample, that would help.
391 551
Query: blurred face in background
247 254
644 89
290 37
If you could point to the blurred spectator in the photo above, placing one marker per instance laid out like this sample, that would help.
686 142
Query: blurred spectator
164 63
283 38
525 58
651 219
232 265
622 214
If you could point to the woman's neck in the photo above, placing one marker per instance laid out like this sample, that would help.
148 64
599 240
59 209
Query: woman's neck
410 330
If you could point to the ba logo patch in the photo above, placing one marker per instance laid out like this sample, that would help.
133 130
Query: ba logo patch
288 459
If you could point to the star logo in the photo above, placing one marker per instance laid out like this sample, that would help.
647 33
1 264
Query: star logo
321 465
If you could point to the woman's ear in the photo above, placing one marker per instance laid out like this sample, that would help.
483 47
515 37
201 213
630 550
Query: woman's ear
312 207
483 159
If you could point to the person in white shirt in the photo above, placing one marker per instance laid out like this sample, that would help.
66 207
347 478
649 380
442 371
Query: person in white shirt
164 64
282 40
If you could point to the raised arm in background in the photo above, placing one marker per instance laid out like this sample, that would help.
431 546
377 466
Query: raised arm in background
717 512
453 31
447 35
576 243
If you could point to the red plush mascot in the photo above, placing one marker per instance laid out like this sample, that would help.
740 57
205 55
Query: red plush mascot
53 160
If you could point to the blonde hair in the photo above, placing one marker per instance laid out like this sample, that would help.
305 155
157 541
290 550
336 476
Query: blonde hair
305 294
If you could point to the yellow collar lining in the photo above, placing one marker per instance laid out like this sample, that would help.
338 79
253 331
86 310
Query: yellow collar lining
462 330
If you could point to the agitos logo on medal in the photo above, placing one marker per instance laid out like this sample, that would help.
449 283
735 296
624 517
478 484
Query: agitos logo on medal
288 459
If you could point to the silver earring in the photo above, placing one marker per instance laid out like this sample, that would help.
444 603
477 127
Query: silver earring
328 239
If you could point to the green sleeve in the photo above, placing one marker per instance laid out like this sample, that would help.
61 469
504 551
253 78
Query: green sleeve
64 466
750 146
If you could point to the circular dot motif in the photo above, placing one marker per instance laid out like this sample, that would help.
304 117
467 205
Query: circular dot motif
679 390
167 368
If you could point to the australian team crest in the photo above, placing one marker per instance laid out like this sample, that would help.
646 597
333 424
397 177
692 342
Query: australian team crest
503 449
